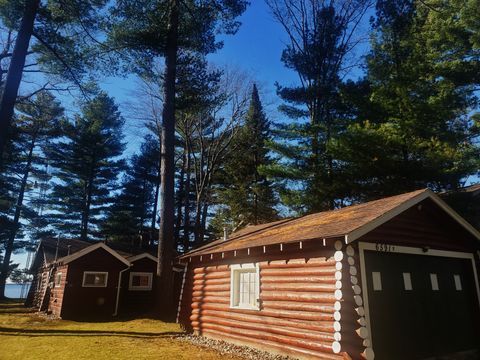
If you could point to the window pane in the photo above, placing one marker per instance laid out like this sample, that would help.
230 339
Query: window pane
89 279
247 288
377 281
458 282
434 281
407 281
140 280
95 279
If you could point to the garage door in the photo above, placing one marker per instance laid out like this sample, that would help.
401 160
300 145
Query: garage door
421 307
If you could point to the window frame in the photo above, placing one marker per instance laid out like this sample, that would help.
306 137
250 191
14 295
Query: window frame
57 275
235 285
131 287
85 273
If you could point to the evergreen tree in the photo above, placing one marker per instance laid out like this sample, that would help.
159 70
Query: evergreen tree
321 36
422 133
248 197
86 166
54 35
128 220
37 123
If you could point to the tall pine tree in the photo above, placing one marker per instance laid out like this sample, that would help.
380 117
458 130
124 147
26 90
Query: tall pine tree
247 196
423 132
321 35
37 123
129 219
86 167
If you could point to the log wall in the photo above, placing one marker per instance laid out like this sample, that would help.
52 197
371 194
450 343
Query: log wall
57 292
298 298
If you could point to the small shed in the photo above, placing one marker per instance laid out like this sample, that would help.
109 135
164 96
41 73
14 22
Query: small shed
93 283
138 285
395 278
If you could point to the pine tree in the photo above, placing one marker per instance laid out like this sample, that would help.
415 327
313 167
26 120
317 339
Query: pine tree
422 133
321 37
37 123
53 37
86 166
128 220
248 197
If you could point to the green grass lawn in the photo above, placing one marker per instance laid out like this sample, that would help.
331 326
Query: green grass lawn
25 335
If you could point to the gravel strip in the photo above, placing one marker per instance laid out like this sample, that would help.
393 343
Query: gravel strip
227 348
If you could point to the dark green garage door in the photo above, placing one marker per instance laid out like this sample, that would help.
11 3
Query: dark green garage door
421 307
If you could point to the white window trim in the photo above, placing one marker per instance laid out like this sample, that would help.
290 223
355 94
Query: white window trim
235 268
140 288
85 273
56 277
362 246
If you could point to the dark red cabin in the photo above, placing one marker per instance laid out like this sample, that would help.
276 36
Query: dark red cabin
92 282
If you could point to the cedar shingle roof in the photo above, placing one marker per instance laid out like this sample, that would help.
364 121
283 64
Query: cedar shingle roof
327 224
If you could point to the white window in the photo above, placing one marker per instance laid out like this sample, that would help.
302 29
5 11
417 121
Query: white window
58 279
140 281
458 282
95 279
245 286
434 281
377 281
407 281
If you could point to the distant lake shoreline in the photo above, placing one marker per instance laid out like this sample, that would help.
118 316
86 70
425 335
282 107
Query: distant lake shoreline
14 291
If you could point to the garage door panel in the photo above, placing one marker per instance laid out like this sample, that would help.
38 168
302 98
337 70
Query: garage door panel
421 311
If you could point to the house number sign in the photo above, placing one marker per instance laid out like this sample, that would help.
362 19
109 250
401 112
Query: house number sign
384 247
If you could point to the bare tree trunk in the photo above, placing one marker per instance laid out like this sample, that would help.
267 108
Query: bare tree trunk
154 213
14 75
179 200
16 221
204 220
155 204
198 220
87 205
167 188
186 212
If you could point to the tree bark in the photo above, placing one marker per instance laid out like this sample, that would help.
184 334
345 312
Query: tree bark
15 70
167 187
155 205
179 200
88 204
186 212
16 219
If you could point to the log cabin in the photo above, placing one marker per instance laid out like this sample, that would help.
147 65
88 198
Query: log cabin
81 280
395 278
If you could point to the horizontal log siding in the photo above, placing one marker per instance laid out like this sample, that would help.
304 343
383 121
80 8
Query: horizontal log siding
56 297
297 306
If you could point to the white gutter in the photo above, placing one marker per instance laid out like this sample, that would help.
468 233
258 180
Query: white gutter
119 287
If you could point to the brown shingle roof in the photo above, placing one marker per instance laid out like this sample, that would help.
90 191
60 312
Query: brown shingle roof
327 224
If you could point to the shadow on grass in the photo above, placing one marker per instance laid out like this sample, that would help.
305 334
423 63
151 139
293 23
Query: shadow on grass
5 331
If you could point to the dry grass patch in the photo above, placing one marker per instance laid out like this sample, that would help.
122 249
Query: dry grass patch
25 335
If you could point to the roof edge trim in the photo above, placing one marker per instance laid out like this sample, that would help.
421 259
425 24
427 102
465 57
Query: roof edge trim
94 247
364 229
141 256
